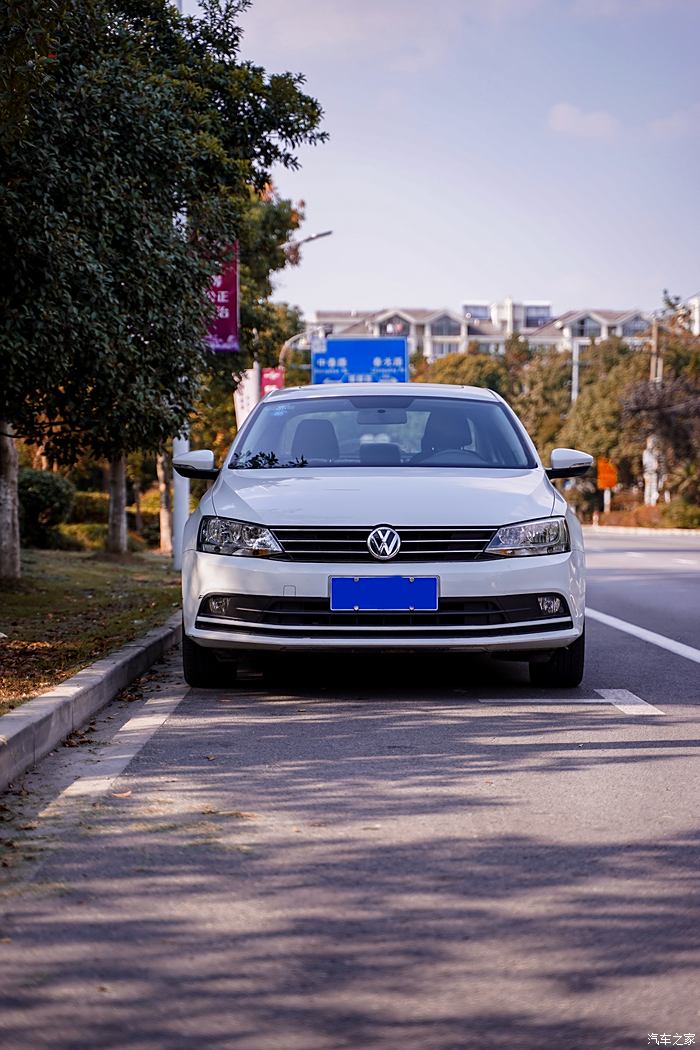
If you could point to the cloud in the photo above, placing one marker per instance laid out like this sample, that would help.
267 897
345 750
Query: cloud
403 34
681 124
566 119
627 8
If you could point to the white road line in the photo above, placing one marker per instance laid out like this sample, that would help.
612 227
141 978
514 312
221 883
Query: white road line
686 561
628 703
646 636
622 699
128 741
545 701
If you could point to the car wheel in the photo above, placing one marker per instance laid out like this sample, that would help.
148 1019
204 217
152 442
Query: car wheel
564 669
201 667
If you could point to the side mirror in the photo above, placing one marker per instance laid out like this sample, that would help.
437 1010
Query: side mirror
196 465
569 463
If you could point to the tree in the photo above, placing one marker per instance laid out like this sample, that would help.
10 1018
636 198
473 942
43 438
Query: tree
670 408
469 370
26 31
267 224
543 397
141 115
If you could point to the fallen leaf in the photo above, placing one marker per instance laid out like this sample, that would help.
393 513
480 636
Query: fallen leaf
120 794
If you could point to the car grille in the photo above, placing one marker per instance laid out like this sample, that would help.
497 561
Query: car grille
350 544
509 614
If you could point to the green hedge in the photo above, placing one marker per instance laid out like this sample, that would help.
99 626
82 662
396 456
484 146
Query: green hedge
91 536
90 507
682 515
45 501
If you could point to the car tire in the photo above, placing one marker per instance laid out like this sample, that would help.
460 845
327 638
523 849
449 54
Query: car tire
564 669
200 666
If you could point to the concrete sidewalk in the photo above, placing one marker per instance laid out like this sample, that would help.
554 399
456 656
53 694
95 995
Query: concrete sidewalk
37 726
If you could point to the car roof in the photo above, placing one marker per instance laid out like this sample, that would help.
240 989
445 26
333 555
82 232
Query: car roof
293 393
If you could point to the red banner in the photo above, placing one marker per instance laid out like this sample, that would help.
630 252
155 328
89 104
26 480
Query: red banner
272 379
223 336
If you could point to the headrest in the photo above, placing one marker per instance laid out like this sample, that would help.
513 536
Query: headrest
315 439
446 428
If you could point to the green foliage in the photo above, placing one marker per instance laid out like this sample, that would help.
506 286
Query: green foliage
141 114
543 397
89 536
469 370
90 507
45 500
682 515
595 421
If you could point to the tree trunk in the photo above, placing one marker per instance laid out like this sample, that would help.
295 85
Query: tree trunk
9 506
166 510
116 528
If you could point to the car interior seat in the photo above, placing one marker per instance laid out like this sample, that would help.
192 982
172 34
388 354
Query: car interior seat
315 439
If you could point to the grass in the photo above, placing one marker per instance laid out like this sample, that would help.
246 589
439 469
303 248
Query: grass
71 608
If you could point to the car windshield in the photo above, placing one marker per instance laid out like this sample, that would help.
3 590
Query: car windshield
381 431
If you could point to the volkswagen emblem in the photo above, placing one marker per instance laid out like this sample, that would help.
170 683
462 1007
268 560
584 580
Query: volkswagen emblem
384 543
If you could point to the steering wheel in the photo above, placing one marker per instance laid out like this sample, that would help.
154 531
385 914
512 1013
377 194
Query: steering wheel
439 454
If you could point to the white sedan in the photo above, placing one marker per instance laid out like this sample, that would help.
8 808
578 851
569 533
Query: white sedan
391 517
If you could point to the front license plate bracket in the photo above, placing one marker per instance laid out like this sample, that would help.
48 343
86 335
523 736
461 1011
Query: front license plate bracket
384 593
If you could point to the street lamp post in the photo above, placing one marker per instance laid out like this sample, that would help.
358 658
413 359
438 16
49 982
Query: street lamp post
291 343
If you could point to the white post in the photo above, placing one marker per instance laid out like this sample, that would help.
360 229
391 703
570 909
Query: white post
181 502
574 369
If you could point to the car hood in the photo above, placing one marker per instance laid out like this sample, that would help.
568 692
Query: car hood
403 496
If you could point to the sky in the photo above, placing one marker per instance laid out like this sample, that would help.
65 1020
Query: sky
541 149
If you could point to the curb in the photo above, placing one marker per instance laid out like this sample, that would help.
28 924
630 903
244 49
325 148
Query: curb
37 726
638 530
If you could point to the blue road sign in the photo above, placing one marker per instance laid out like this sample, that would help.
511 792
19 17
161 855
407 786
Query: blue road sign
383 360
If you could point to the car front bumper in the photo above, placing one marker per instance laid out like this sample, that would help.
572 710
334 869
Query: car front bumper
206 574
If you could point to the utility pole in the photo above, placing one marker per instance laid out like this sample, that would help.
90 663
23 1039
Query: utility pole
575 367
654 362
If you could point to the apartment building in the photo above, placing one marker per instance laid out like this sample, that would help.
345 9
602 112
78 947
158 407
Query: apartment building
486 326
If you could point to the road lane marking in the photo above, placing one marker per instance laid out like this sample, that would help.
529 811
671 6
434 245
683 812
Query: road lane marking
127 743
628 703
570 700
685 561
661 640
622 699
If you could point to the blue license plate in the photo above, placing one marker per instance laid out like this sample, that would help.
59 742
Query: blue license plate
384 593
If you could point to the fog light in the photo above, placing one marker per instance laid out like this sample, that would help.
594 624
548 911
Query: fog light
549 604
218 605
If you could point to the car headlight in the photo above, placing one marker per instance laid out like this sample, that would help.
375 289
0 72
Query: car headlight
226 536
548 536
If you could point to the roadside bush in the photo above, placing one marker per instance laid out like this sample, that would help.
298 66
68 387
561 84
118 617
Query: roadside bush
150 526
90 536
45 501
682 515
90 507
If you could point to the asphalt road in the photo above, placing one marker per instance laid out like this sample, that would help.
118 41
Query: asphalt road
395 854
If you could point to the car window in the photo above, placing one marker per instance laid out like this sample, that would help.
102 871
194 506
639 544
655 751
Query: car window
381 430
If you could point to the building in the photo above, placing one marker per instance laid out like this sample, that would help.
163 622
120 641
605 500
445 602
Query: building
432 333
490 324
487 325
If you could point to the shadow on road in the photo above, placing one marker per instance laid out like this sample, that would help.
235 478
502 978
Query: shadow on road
325 867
